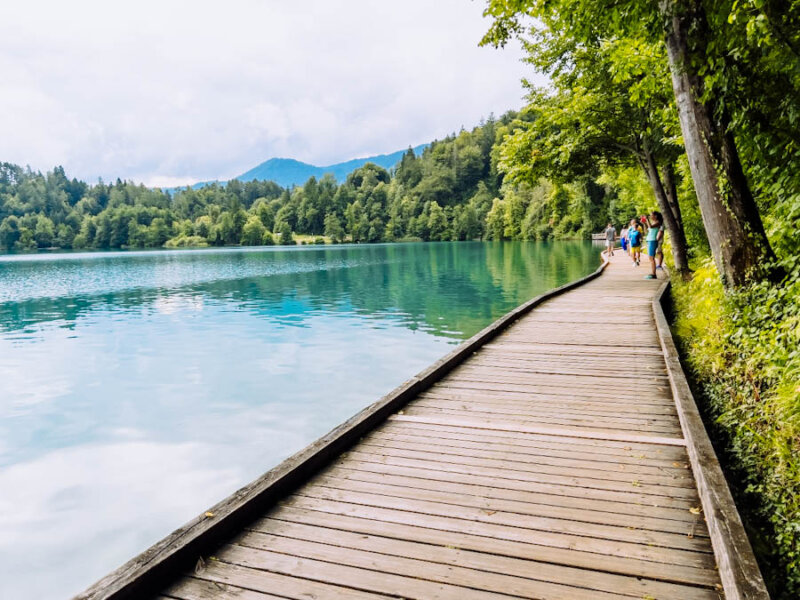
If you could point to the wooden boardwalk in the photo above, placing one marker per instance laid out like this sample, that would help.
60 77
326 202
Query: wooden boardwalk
550 464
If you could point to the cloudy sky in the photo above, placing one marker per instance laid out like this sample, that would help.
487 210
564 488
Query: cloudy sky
170 91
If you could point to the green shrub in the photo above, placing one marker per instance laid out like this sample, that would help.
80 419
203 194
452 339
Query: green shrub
186 241
743 349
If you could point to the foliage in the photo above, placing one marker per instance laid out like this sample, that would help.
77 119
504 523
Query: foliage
743 349
444 194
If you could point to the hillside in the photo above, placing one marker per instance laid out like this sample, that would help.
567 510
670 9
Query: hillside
287 172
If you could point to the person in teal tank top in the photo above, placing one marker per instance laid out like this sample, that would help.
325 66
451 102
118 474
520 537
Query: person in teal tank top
655 233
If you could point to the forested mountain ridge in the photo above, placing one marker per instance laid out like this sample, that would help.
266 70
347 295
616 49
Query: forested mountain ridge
287 172
452 191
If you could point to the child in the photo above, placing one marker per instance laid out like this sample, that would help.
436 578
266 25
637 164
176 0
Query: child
623 239
655 234
611 237
635 241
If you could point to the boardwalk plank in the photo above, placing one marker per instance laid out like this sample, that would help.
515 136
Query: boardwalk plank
333 571
407 488
526 550
545 486
607 548
596 534
589 509
575 581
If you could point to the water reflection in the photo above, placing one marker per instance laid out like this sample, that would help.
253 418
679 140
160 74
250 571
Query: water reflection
136 389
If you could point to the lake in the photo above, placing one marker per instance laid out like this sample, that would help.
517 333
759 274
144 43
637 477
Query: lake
139 388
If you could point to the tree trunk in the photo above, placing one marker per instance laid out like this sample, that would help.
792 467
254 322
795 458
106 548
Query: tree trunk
671 219
671 189
730 215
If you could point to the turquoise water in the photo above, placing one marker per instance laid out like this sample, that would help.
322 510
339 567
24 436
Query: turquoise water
139 388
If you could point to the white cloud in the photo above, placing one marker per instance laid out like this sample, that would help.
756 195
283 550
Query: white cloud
174 91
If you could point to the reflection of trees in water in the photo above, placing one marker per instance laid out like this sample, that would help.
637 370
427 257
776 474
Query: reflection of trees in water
450 289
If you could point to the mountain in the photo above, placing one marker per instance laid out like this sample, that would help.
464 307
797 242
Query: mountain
287 172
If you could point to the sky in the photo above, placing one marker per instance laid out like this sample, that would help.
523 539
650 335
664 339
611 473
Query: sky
169 92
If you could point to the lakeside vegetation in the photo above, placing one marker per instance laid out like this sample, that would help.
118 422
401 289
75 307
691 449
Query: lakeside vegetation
698 101
453 191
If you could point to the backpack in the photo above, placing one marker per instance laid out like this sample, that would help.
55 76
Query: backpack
635 237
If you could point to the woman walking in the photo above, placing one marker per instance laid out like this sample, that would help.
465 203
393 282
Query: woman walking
655 235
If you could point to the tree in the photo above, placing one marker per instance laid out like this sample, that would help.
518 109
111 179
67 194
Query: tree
333 228
253 232
437 223
611 106
357 223
157 233
45 232
287 239
698 56
732 220
9 231
26 242
495 220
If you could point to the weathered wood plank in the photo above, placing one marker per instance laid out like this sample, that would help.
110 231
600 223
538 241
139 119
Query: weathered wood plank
575 580
297 584
595 433
405 488
533 448
684 540
545 486
676 471
558 467
341 574
191 588
520 415
394 561
527 550
604 409
535 440
482 493
608 548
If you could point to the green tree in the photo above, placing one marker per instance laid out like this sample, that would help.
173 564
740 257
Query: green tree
287 239
45 232
496 221
437 223
253 232
707 85
9 231
333 228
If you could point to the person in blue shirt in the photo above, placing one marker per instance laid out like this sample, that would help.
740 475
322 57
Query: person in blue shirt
635 241
655 235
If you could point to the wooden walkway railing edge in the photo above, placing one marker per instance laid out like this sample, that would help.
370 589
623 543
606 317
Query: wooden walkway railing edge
180 550
738 569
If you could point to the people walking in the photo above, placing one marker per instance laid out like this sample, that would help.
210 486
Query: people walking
623 239
611 238
635 234
655 235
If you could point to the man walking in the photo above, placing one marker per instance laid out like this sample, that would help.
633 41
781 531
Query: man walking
611 237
